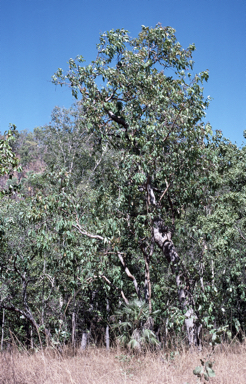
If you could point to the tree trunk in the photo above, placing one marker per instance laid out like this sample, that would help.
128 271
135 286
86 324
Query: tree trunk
147 297
31 333
107 341
84 340
163 238
73 327
147 282
74 320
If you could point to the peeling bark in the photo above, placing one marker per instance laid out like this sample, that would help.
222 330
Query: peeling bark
150 193
163 238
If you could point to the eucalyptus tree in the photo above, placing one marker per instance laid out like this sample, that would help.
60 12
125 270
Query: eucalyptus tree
66 142
141 102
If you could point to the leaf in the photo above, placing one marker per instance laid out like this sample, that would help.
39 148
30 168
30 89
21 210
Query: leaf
198 371
210 372
206 377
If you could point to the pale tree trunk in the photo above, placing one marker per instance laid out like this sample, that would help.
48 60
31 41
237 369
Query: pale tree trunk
73 328
107 340
84 340
74 321
212 270
163 238
31 333
147 296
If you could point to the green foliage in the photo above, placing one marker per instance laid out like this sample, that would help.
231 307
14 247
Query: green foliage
204 371
9 161
78 236
132 322
149 121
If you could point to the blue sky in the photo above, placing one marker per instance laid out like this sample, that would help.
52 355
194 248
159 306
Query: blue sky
39 36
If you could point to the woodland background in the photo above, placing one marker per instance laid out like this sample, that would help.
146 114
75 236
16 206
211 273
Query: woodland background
131 160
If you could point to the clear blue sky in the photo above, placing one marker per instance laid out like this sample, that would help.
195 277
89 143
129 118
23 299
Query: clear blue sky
38 36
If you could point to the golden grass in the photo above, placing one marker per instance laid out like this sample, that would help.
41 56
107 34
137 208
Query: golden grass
97 366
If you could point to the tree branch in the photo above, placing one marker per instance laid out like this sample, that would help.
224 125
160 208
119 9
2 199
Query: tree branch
85 233
112 285
129 274
117 119
168 185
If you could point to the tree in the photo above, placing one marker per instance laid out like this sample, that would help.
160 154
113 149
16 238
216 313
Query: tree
66 142
223 227
9 163
140 103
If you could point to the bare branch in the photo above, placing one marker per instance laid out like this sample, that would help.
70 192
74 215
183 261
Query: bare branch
129 274
85 233
168 185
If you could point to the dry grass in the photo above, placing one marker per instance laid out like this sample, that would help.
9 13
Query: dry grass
97 366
